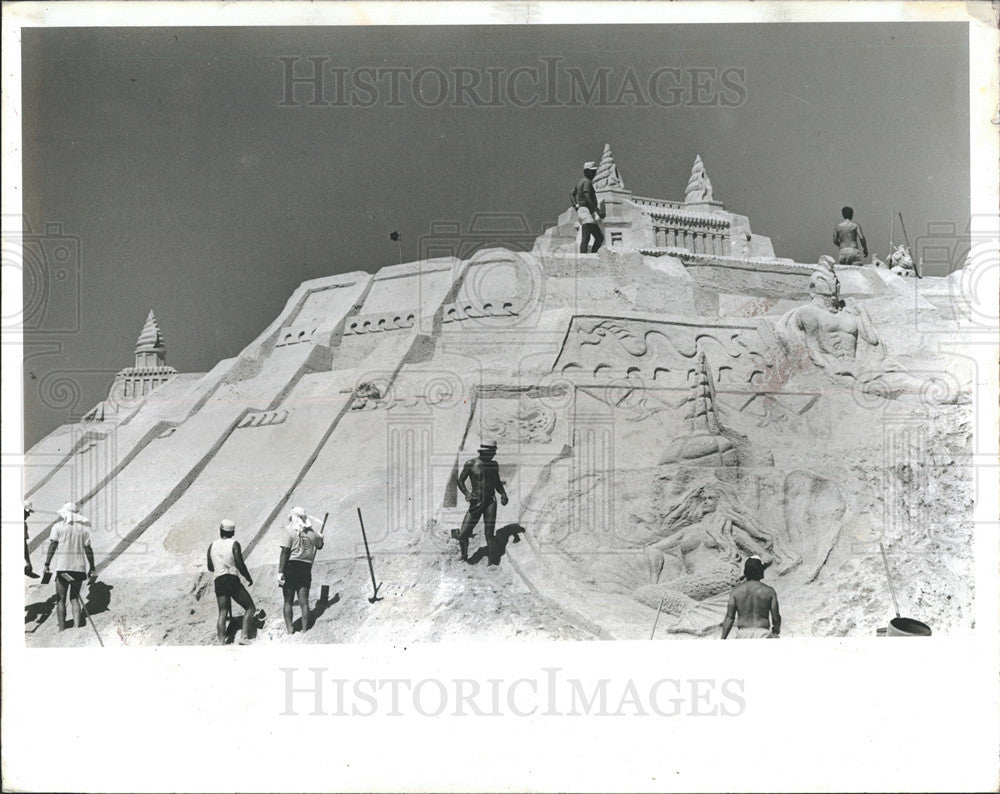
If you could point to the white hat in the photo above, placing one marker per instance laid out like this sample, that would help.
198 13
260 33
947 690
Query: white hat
590 165
227 525
488 446
299 518
68 513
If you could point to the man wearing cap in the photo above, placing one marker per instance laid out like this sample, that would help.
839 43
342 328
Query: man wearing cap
225 560
588 211
753 606
298 551
483 475
70 551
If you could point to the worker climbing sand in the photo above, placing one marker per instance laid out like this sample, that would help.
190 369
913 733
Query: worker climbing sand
298 552
483 475
753 605
225 559
73 558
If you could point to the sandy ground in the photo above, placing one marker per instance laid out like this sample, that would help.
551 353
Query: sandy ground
426 597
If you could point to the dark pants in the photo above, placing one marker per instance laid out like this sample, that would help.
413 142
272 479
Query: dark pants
587 231
488 512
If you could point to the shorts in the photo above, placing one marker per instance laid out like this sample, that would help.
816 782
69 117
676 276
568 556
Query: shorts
851 256
72 579
298 574
228 584
752 633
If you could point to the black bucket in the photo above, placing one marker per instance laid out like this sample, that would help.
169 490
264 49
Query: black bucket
907 627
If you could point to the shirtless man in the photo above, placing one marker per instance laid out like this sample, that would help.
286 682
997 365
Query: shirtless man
831 332
849 238
483 475
753 606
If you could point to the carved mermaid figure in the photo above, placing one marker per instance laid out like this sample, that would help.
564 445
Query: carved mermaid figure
707 535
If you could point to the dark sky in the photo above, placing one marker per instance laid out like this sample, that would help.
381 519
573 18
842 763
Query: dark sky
193 193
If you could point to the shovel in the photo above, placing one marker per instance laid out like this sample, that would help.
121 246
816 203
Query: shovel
90 620
900 626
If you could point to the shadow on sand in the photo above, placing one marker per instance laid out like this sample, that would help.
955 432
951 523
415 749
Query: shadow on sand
98 598
503 536
324 603
38 612
235 624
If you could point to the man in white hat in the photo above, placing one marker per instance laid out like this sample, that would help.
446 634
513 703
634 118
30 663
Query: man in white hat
483 475
225 560
70 551
753 606
588 211
298 552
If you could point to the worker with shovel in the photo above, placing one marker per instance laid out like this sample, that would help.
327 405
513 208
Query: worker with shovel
70 552
298 551
483 475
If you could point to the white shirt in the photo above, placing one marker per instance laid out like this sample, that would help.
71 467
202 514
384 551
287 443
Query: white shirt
223 559
71 539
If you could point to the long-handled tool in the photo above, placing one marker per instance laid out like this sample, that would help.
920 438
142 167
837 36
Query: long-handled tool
657 619
371 569
900 626
906 241
91 622
888 575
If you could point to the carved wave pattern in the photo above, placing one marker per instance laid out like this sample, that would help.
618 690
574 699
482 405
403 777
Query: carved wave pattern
599 349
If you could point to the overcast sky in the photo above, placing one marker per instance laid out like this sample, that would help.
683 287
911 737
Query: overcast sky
194 193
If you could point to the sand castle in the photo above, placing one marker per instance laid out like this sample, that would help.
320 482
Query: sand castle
672 384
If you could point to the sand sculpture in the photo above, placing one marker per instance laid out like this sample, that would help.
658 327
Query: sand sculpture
699 186
607 172
901 263
706 537
663 408
843 342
